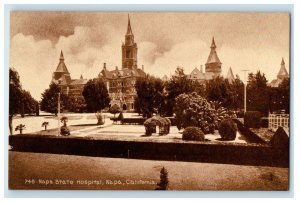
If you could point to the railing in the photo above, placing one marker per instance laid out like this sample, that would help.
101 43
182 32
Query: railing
276 120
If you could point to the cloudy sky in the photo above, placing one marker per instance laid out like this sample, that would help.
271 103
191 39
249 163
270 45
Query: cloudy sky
253 41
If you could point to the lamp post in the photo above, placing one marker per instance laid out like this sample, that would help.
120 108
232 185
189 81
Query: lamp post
58 108
245 89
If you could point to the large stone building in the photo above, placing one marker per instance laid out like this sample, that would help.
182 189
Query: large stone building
121 82
282 74
71 87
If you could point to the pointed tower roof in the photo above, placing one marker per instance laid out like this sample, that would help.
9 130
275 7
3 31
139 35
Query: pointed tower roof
213 44
129 30
230 75
61 55
61 67
282 72
213 57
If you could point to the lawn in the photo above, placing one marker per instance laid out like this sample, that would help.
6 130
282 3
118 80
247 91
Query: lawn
132 174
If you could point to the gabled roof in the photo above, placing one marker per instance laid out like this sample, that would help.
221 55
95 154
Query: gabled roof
213 57
197 74
78 82
123 73
275 83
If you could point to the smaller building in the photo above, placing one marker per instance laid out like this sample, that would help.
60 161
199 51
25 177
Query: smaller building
71 87
197 75
282 74
212 66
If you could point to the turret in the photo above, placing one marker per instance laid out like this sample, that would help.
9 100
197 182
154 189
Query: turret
213 64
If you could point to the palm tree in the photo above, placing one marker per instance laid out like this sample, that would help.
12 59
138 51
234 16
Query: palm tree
45 124
20 127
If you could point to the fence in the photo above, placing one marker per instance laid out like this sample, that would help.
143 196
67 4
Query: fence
276 120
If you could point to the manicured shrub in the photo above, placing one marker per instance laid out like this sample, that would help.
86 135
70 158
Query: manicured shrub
114 109
64 130
193 133
227 129
252 119
164 180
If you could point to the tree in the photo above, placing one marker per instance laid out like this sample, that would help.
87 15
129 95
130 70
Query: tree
45 124
28 103
15 95
76 104
178 84
20 101
284 90
258 93
96 96
49 102
280 96
20 128
149 98
217 90
193 110
236 92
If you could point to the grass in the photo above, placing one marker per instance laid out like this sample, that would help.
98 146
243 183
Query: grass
182 175
264 133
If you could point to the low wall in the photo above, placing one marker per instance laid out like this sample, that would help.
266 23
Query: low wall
228 153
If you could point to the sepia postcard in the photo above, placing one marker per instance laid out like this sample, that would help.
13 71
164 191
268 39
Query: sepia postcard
149 101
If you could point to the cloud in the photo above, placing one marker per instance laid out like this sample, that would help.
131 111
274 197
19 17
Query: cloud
162 45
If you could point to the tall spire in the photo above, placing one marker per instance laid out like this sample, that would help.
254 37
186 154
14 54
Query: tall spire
282 72
61 67
213 63
129 31
61 55
213 45
213 57
282 61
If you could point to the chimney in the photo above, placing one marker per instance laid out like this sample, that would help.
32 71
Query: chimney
143 67
117 68
104 66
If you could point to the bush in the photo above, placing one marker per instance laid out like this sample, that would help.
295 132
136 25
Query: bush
164 180
194 110
193 133
114 109
252 119
227 129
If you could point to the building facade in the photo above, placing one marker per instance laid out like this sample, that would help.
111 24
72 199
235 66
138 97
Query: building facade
282 74
71 87
121 82
212 67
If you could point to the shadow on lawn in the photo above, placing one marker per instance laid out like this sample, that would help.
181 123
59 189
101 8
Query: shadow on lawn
88 124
